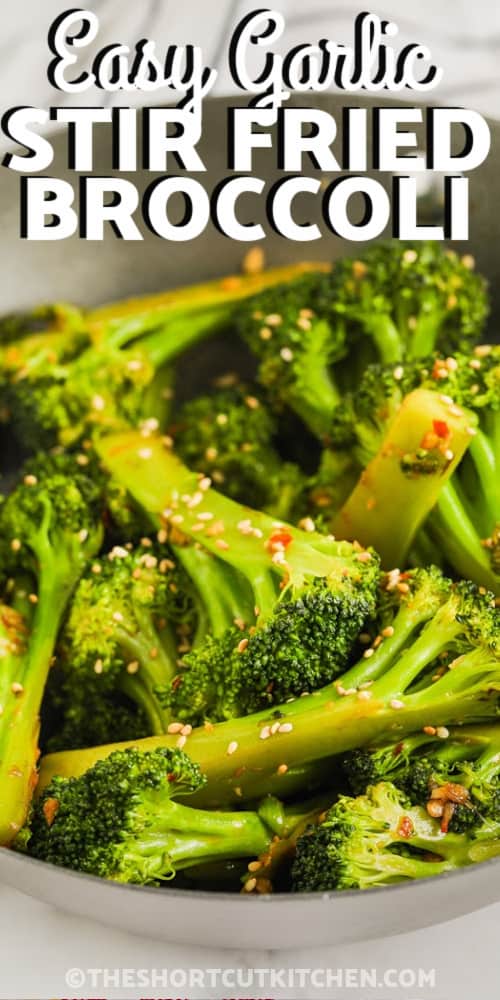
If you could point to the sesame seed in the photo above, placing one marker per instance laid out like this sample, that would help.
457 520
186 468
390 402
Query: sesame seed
403 588
265 333
221 419
186 730
285 727
205 483
118 552
174 728
410 256
162 536
30 480
98 403
307 524
238 792
456 411
254 866
17 688
117 617
442 732
82 460
364 695
364 557
253 261
222 545
368 652
265 733
232 748
282 769
250 885
388 631
181 742
96 569
396 704
429 730
286 354
242 645
398 373
195 499
475 364
274 728
303 323
15 544
449 455
205 515
133 667
33 599
468 261
98 667
274 319
177 519
83 535
446 399
252 402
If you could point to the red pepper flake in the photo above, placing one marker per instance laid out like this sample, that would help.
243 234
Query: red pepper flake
50 810
405 828
441 428
279 539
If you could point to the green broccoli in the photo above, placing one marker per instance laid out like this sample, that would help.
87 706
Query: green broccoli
380 838
229 435
123 377
311 595
313 337
49 528
119 820
434 663
456 777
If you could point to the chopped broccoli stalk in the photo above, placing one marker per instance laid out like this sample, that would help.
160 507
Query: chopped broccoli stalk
229 435
435 663
119 820
49 528
402 483
311 594
380 838
456 777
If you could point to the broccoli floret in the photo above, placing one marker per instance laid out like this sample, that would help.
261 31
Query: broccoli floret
311 594
436 663
229 435
123 378
90 718
49 529
119 821
289 329
409 300
122 631
456 777
380 839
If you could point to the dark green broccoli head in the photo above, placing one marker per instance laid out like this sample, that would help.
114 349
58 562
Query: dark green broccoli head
289 330
54 520
375 839
109 821
88 716
411 300
228 435
309 639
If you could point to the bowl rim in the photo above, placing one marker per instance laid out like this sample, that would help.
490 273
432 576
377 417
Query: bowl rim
240 898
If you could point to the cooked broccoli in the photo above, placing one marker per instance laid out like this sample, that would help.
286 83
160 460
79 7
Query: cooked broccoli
90 718
314 336
122 631
311 594
124 376
49 529
456 776
229 435
119 820
463 525
380 838
409 300
436 663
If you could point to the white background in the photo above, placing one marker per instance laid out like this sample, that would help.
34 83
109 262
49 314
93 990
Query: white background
38 944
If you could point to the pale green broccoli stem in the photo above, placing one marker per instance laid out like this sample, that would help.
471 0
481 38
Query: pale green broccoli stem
388 506
386 337
485 454
220 604
456 535
423 340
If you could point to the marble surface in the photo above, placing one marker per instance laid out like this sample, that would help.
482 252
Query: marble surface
37 943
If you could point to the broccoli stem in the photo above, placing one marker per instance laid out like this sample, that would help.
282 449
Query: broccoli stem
454 532
386 337
486 459
425 335
387 506
323 724
170 310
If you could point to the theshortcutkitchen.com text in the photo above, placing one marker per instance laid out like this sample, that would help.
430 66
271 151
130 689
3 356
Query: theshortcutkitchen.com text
326 158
